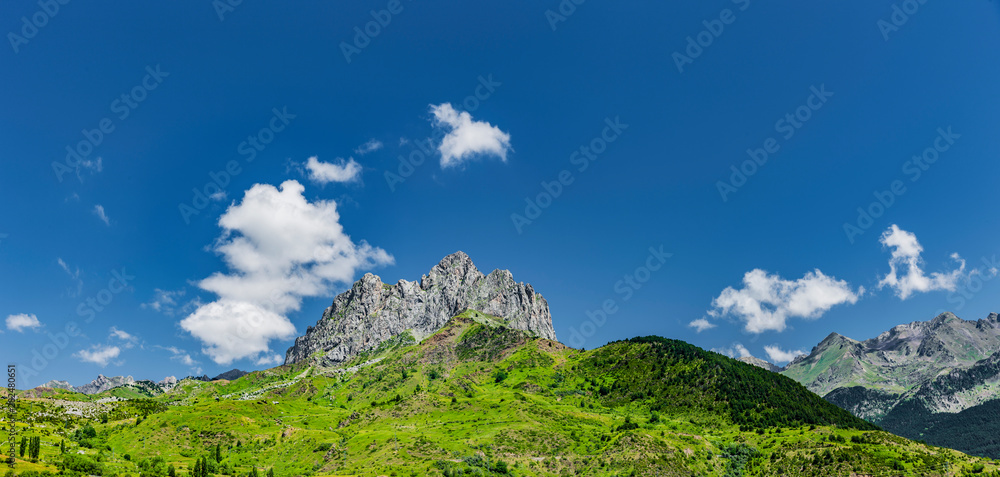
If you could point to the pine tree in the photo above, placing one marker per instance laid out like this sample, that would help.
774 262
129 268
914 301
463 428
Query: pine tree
23 446
270 472
34 447
171 471
62 447
218 452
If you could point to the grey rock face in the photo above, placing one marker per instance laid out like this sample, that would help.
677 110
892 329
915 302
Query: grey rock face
371 312
760 363
103 383
58 385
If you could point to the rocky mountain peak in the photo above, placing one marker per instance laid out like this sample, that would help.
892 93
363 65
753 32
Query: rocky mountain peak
103 383
372 312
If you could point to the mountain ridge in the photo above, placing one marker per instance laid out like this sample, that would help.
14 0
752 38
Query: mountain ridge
372 312
916 379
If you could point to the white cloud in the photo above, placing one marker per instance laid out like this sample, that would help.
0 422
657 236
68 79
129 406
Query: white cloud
701 324
371 146
465 138
779 355
21 321
273 360
121 335
74 275
99 210
737 350
279 248
183 357
766 301
98 354
906 252
94 166
326 172
167 302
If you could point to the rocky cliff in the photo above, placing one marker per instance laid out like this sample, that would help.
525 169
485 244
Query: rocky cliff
372 312
103 383
936 380
899 359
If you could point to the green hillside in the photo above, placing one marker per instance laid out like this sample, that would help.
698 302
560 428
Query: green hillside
478 398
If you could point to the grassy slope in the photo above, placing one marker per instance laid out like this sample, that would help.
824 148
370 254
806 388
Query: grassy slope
476 392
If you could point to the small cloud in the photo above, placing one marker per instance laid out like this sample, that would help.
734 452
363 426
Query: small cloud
467 139
167 302
906 252
182 357
129 339
21 321
325 172
98 354
74 274
737 350
266 360
94 166
218 196
371 146
767 301
403 141
779 355
701 324
99 210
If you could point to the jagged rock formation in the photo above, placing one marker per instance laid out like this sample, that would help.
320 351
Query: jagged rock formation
168 383
372 313
920 380
900 359
58 385
104 383
760 363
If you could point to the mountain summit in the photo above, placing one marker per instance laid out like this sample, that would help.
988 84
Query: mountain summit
936 380
372 313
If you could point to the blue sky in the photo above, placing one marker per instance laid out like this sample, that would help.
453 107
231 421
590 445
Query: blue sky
643 126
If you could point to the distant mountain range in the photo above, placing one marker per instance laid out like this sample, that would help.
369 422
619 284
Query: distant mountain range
936 380
104 383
